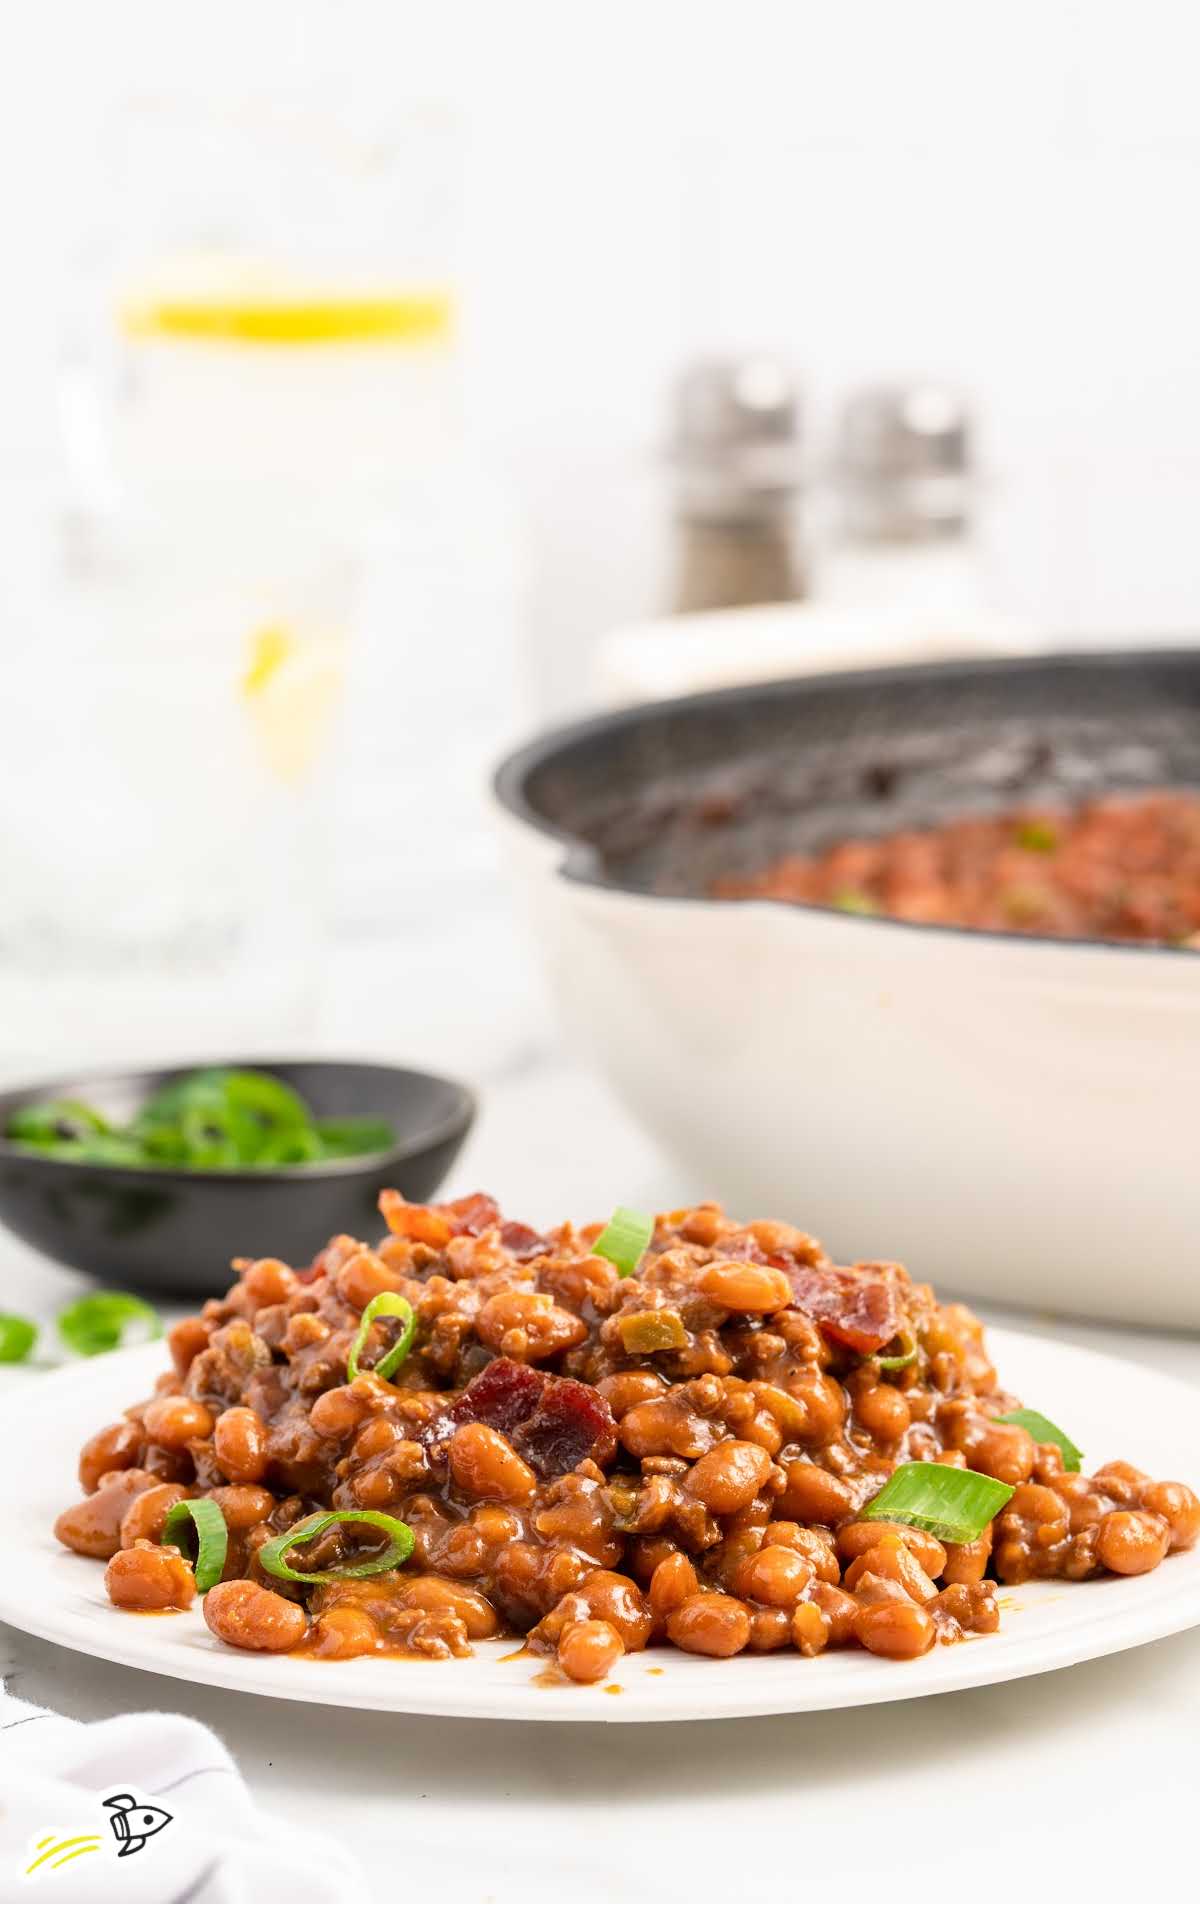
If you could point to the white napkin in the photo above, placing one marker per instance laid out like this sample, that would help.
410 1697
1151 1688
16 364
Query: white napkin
214 1845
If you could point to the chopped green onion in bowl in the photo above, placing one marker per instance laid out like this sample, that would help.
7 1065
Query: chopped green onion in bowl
1043 1430
17 1338
625 1239
215 1119
955 1504
109 1319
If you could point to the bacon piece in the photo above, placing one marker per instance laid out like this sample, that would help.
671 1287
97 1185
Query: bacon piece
552 1421
435 1224
522 1243
854 1306
503 1395
572 1421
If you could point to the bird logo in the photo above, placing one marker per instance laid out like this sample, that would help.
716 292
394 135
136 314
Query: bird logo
133 1823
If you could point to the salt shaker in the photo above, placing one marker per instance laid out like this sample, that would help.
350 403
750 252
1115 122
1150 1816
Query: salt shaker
736 453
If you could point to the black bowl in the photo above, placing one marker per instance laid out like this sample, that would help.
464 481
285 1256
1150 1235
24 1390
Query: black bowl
175 1231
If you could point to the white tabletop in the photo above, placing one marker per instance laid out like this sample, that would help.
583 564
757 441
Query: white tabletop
1076 1786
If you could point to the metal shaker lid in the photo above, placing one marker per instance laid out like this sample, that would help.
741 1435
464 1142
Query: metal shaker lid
903 462
735 437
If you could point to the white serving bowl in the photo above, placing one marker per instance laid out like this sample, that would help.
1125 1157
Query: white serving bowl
1013 1117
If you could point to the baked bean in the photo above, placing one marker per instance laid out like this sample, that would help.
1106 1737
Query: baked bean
770 1629
1128 1542
813 1494
824 1404
619 1601
485 1465
268 1281
713 1624
340 1411
1110 1472
364 1276
93 1526
143 1519
243 1614
815 1546
174 1421
812 1629
628 1387
111 1448
1178 1507
839 1609
899 1630
666 1426
242 1505
528 1325
671 1583
891 1560
966 1561
882 1411
589 1650
185 1340
145 1577
858 1536
240 1444
439 1596
1002 1449
775 1576
729 1476
342 1633
749 1289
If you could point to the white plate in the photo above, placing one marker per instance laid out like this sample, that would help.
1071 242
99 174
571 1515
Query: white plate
60 1596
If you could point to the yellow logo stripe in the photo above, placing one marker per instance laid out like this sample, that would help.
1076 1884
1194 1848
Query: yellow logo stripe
77 1854
87 1842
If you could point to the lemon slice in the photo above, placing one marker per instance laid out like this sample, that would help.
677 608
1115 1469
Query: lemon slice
290 690
417 317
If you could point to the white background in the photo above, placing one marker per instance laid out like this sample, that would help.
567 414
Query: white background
1001 194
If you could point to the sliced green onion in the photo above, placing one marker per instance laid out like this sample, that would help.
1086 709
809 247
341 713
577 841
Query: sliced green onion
1037 836
17 1338
55 1121
905 1354
850 899
212 1538
1043 1430
107 1320
956 1504
387 1303
625 1239
273 1557
354 1137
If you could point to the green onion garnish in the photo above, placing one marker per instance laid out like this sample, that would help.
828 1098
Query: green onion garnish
625 1239
212 1538
17 1338
1043 1430
387 1303
215 1119
956 1504
1037 836
107 1320
851 899
273 1557
904 1354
